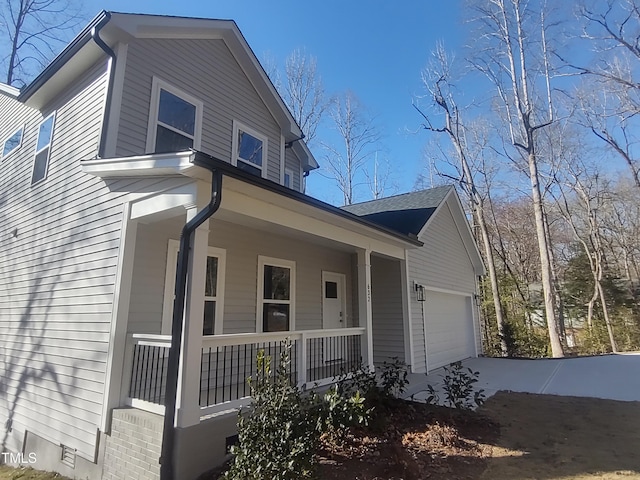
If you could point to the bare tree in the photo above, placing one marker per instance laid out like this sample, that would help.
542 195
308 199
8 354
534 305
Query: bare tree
379 178
512 52
357 139
33 29
301 89
610 98
437 80
581 193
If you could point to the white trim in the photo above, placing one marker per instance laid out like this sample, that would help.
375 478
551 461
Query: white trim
221 255
282 159
158 84
343 298
276 262
446 290
289 171
49 145
173 248
237 126
17 147
407 317
119 318
117 86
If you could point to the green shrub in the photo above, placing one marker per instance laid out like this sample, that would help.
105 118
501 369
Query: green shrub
458 386
393 378
276 437
280 433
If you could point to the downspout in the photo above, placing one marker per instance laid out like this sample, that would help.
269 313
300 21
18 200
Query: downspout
182 270
95 35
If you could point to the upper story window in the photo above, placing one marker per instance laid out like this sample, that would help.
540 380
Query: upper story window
288 178
12 143
175 119
43 149
249 150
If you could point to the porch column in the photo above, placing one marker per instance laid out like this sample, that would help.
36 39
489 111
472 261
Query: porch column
188 397
364 305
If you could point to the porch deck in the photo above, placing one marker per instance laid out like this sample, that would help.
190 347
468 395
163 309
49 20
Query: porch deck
318 357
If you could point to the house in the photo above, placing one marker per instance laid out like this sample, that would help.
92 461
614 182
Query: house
144 125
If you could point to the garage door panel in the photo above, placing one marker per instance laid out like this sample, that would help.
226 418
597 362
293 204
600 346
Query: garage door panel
449 326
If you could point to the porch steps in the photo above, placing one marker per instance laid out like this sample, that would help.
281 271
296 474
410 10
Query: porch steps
133 448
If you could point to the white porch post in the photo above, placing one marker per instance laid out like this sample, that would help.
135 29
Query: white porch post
188 397
364 305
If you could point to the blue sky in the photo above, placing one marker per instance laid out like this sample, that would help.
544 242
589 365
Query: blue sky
374 48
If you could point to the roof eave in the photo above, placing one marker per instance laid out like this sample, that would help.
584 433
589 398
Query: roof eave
183 164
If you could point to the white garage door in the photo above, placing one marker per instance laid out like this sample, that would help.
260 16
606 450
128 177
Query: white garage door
449 328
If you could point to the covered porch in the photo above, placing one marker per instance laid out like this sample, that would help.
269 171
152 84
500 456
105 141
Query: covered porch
271 265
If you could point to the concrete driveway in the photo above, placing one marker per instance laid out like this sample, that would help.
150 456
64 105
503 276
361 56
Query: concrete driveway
615 376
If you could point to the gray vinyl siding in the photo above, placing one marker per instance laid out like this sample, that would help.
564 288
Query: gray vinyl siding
207 70
293 162
441 263
56 273
386 309
58 270
242 246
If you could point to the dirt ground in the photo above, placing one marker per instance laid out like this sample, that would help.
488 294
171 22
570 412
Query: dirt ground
513 436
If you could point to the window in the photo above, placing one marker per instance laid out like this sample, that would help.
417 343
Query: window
43 149
288 178
213 290
12 143
175 119
249 150
276 294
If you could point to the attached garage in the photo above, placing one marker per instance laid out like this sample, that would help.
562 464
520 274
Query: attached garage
449 328
441 323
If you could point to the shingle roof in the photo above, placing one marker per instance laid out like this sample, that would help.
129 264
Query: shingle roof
406 213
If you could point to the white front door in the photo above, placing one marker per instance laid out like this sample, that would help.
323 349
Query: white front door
333 300
334 313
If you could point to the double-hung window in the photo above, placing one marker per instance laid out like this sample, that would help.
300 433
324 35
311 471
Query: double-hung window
288 178
12 143
249 150
213 289
43 149
276 295
175 119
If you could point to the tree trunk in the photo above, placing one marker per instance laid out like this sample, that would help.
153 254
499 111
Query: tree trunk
493 277
545 261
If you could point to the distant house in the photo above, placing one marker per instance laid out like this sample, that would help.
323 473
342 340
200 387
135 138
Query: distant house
106 155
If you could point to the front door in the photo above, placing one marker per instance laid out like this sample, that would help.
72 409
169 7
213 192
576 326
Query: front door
333 300
334 314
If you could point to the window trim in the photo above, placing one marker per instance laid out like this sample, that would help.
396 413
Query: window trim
288 171
170 286
52 115
157 84
237 126
260 301
17 147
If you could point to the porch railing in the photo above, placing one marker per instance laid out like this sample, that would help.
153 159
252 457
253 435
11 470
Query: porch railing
317 358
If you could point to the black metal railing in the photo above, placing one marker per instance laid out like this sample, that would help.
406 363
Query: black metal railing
149 373
331 357
225 369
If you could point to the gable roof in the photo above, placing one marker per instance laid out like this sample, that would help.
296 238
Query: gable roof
114 27
407 213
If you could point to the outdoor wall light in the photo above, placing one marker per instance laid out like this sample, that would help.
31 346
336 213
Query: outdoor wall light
420 292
